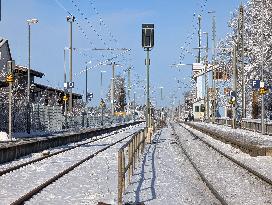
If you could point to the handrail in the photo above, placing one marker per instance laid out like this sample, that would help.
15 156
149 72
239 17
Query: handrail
127 157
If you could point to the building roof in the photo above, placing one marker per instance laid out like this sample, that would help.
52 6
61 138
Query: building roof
24 69
44 87
2 42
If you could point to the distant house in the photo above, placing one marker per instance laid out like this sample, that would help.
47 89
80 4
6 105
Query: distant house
38 91
5 55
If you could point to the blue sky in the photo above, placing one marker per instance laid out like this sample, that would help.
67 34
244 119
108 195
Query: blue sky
121 20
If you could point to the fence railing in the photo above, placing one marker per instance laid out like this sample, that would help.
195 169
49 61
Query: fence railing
127 158
51 118
247 125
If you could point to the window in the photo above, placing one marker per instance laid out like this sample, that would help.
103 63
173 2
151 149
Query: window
202 108
196 108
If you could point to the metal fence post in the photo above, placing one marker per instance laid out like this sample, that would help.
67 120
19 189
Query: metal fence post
123 171
129 162
120 178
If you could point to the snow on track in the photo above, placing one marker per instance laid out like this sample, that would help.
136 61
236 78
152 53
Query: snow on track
19 182
261 164
37 155
165 176
234 184
93 181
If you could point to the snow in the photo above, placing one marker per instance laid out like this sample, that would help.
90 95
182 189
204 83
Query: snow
4 136
261 164
243 136
23 180
234 184
165 176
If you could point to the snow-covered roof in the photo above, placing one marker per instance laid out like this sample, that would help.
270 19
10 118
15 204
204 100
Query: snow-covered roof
2 42
24 69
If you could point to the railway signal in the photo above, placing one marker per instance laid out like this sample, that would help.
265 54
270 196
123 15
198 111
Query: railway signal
147 44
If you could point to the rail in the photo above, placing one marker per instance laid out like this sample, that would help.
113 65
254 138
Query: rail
38 189
127 157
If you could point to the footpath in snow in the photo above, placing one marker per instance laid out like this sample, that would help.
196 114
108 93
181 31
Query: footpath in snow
165 176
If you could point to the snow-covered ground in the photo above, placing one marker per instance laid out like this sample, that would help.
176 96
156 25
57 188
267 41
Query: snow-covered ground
51 150
70 188
243 136
234 184
261 164
165 177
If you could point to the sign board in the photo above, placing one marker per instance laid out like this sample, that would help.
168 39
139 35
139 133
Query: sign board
198 68
256 84
261 84
90 96
11 65
69 85
232 94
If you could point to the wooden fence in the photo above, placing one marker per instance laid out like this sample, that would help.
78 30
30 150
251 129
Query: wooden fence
127 158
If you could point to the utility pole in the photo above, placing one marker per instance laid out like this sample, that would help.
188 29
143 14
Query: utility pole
64 66
214 93
101 83
65 89
71 19
234 85
262 71
112 88
129 83
128 91
207 80
199 39
242 29
161 93
10 80
134 105
86 84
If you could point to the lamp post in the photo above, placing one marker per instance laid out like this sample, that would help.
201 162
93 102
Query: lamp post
71 19
29 22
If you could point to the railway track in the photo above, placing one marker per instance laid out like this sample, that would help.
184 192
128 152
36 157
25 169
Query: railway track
251 175
49 164
18 166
